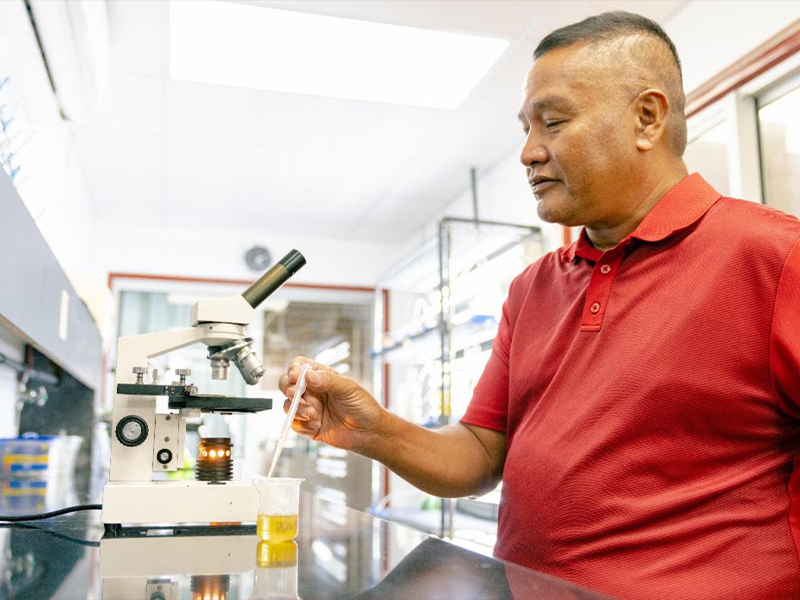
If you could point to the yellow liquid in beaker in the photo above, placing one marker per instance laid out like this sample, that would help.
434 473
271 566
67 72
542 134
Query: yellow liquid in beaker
273 555
277 528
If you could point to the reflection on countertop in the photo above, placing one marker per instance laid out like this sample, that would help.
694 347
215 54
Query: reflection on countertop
339 553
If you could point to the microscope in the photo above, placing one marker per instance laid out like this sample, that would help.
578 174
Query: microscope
146 440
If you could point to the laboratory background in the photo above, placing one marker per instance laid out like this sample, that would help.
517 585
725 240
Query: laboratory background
365 155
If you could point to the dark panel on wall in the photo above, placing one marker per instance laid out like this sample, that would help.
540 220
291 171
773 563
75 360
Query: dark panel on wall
69 410
32 284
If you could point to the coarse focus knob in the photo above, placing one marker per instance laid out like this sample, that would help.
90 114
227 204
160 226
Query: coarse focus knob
131 430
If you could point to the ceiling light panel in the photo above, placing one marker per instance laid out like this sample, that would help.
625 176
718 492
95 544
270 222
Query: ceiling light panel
262 48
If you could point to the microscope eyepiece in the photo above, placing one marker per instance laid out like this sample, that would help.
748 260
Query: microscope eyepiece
293 261
274 278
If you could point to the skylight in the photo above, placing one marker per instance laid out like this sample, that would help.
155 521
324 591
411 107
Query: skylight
255 47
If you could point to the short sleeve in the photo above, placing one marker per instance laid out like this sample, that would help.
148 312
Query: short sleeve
784 359
489 405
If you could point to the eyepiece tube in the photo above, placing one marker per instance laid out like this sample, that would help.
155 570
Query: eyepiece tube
293 261
274 278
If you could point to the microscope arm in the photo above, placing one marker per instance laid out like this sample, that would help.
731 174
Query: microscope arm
136 350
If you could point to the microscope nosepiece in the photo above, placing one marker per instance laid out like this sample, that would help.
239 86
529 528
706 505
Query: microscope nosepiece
243 356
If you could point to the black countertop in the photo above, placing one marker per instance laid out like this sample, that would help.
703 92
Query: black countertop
338 553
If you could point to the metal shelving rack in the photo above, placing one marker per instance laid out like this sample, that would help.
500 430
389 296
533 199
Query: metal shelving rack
437 314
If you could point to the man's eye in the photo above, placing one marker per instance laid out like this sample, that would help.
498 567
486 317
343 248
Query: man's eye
552 124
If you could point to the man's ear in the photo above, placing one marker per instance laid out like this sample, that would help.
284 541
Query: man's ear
652 114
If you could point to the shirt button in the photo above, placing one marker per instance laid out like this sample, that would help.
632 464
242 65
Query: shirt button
605 269
595 308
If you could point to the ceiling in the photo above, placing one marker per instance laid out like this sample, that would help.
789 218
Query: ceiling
171 151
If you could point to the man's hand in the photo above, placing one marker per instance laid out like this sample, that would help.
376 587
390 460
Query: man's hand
456 460
334 409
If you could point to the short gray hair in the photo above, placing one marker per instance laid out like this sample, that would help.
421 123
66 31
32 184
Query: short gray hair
611 25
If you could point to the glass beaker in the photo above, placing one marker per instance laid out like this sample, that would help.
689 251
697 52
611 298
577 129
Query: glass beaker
276 575
278 504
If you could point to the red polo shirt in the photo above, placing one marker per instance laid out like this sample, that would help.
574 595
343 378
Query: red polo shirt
650 396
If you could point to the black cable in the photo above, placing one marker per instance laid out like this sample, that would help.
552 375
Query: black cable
62 536
54 513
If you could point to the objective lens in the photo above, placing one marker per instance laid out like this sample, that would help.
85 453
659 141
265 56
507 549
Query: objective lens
243 356
219 369
248 364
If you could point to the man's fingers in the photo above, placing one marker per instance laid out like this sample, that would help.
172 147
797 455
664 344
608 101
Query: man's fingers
313 402
329 382
309 428
298 361
306 398
283 383
304 410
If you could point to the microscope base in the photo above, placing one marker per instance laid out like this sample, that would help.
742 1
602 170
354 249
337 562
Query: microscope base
179 502
141 567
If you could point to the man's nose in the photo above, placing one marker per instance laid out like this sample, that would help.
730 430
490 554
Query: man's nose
533 152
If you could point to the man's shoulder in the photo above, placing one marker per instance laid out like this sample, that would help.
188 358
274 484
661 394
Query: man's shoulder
545 266
743 222
754 215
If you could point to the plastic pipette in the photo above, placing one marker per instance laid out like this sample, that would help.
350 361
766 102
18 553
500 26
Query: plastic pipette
299 389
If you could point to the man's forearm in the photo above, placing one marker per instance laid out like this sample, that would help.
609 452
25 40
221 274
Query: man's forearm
447 462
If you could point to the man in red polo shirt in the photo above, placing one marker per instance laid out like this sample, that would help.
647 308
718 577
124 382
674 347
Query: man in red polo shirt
642 400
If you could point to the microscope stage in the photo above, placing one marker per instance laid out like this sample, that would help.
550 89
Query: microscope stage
186 396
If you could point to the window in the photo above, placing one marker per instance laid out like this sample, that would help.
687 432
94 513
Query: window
707 154
779 130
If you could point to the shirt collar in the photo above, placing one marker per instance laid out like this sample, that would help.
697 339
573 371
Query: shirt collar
680 207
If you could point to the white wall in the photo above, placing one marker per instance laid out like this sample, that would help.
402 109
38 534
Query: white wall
167 249
711 35
503 195
51 181
54 190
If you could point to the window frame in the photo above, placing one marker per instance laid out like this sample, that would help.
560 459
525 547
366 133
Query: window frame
735 95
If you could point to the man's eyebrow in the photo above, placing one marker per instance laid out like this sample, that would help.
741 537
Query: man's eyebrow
545 103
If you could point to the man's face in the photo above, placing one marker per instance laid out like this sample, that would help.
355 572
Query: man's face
580 153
